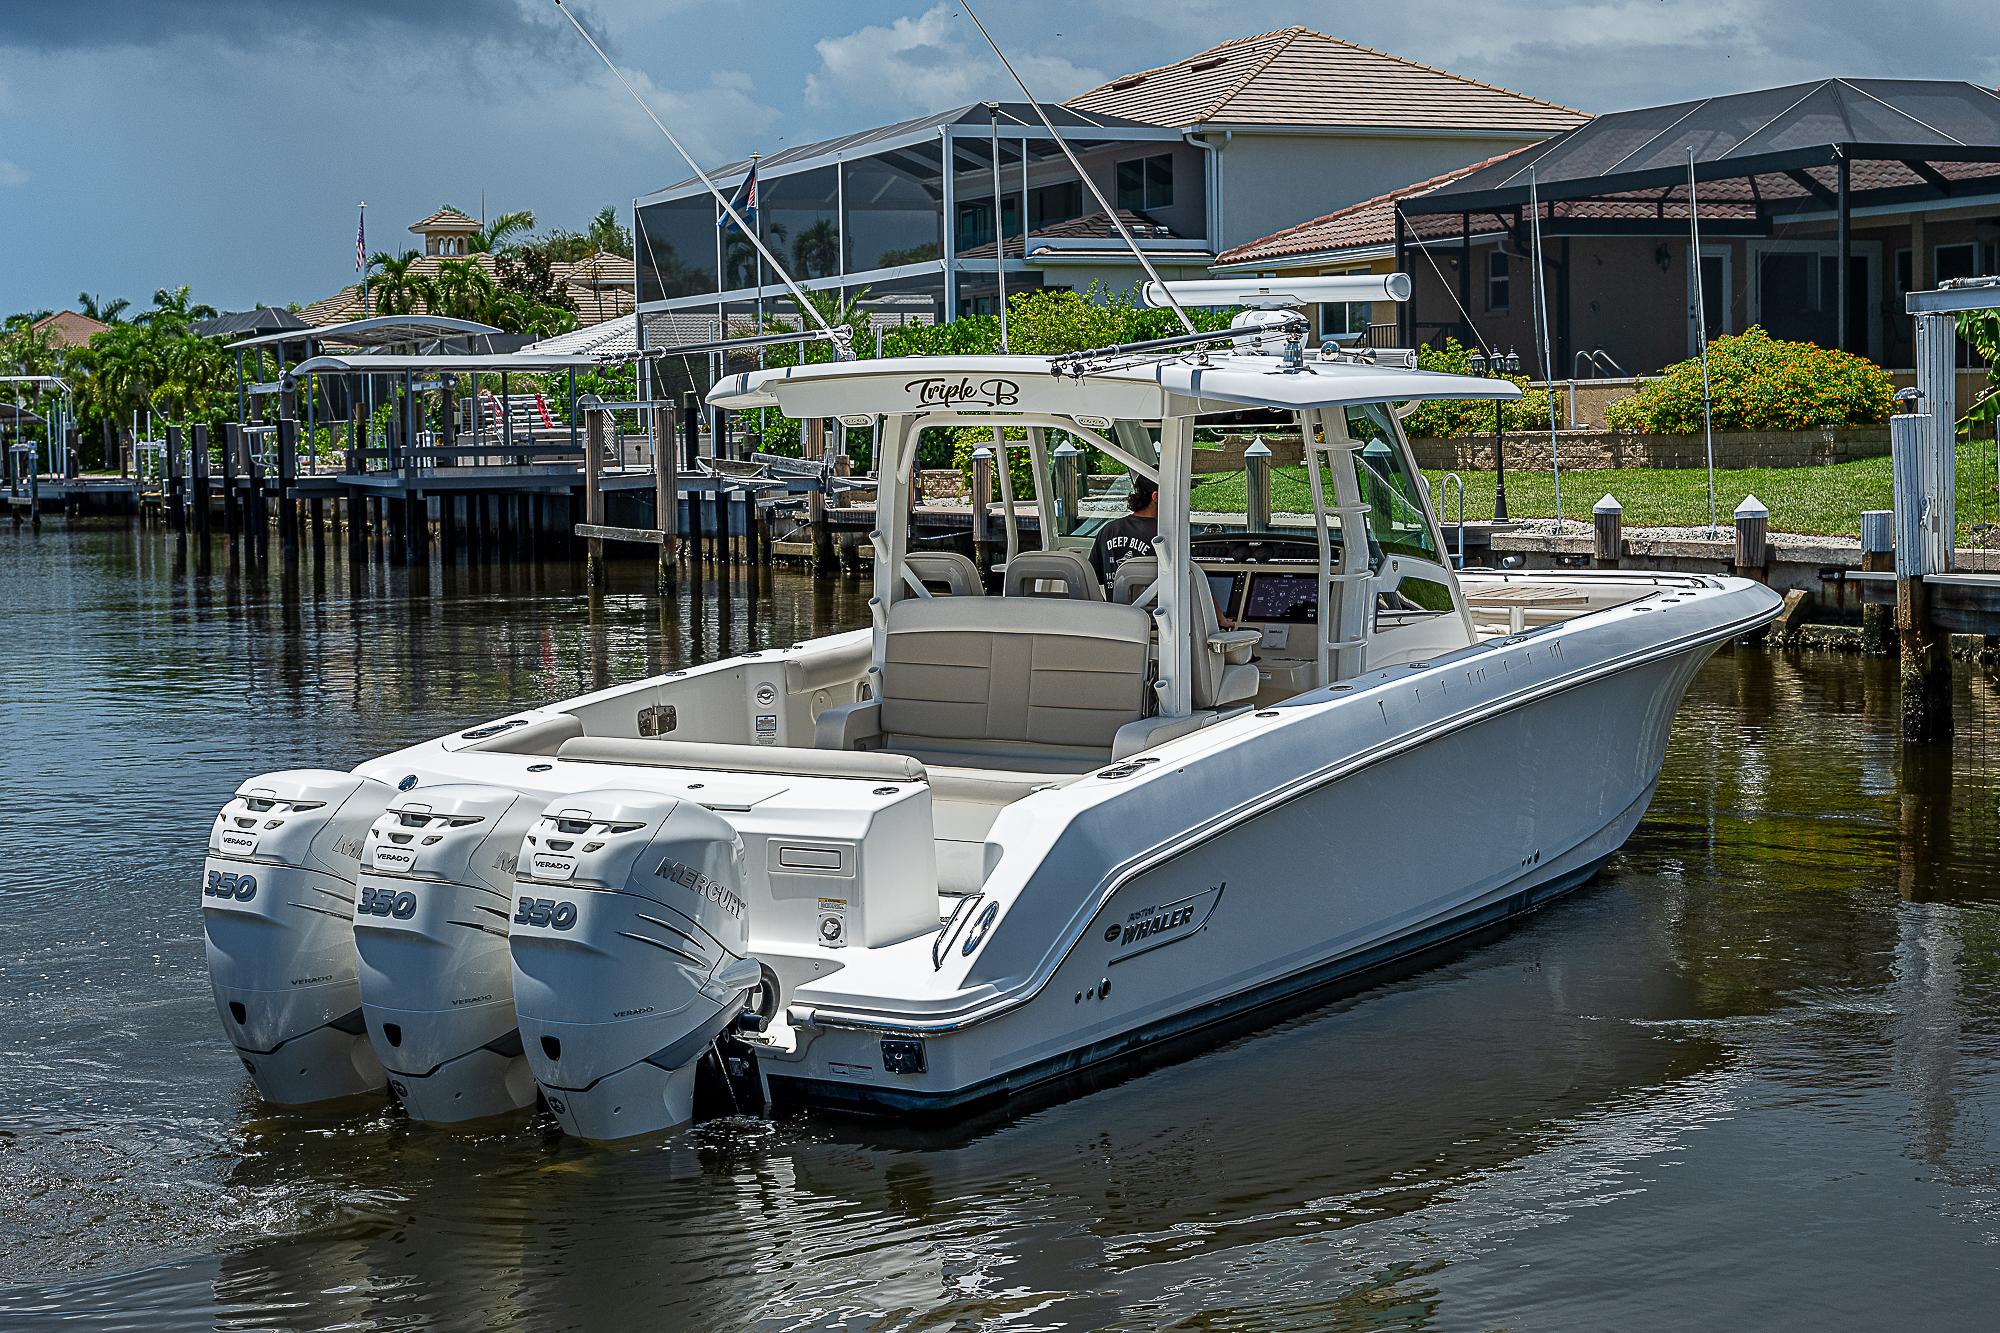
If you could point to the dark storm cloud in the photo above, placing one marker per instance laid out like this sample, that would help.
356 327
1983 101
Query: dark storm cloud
69 25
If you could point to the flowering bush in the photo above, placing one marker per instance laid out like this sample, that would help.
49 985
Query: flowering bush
1757 382
1470 416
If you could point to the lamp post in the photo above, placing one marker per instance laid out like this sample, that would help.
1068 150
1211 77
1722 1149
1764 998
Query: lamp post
1499 367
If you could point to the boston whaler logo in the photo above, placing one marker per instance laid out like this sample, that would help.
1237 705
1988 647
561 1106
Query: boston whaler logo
945 391
1152 926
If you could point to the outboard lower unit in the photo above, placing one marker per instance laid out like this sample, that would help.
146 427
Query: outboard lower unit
437 985
277 906
629 944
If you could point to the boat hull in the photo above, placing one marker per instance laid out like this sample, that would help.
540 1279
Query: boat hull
1319 885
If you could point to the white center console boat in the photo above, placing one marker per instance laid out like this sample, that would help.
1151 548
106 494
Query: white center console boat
1000 834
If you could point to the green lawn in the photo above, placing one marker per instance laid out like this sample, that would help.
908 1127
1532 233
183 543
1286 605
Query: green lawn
1824 500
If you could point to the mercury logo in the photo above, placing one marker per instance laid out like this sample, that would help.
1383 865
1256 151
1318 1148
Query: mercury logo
689 878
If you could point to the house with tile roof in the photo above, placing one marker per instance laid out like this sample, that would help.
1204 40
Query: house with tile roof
1195 157
599 286
1822 205
68 328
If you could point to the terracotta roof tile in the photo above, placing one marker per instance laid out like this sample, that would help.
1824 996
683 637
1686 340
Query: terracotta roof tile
445 219
68 328
1296 76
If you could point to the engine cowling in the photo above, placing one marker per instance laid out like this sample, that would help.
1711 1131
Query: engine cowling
430 925
277 904
630 951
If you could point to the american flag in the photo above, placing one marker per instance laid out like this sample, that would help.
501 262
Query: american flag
745 201
361 242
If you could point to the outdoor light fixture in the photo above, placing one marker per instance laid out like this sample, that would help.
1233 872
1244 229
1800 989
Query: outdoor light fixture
1500 367
1663 257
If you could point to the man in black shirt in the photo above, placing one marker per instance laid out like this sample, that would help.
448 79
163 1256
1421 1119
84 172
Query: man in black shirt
1122 538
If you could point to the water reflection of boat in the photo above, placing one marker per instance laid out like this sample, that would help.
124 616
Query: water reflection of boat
1494 1081
994 839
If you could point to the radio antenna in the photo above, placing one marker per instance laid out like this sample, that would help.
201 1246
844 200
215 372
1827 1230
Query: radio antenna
751 232
1088 183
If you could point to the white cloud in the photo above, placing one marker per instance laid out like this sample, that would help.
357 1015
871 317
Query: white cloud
11 174
931 62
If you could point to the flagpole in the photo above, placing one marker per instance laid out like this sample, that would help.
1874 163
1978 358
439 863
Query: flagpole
361 256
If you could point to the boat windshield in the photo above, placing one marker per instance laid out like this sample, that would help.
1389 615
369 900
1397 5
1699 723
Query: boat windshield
1395 495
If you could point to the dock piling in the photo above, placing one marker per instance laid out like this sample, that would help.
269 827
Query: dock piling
1753 538
1924 658
1878 556
1607 519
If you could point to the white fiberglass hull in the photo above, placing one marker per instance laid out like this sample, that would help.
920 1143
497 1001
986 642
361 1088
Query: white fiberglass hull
1430 801
1266 856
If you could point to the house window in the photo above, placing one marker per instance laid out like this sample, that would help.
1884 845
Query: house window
1344 321
1050 204
1499 285
1903 272
1146 182
1954 261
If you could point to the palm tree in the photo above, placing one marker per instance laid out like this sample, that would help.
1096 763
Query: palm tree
608 234
495 236
101 310
395 289
462 290
816 252
175 311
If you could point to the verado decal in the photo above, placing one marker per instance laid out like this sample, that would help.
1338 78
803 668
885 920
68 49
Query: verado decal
945 391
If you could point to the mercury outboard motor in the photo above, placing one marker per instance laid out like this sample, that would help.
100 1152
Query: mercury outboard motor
277 905
630 946
437 985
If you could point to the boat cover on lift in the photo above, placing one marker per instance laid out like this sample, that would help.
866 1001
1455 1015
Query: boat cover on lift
1029 384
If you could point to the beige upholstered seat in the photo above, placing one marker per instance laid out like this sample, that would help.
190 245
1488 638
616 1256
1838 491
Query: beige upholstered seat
1030 683
1031 574
1223 671
948 570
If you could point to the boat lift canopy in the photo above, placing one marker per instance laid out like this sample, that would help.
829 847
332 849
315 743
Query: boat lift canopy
377 331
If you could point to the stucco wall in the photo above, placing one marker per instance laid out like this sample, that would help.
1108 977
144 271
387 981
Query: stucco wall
1271 181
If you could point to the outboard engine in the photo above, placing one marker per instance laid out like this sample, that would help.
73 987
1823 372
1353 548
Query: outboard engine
437 985
629 945
277 905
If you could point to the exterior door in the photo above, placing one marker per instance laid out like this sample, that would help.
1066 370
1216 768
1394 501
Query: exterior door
1717 287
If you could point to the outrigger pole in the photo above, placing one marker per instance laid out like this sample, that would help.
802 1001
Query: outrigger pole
842 344
1089 184
1701 333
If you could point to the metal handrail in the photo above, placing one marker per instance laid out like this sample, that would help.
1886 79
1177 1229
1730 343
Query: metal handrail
1602 365
1451 479
942 944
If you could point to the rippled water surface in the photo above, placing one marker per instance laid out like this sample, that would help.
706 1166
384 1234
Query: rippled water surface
1746 1078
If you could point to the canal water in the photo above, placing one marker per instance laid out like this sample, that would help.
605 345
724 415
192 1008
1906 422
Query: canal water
1747 1078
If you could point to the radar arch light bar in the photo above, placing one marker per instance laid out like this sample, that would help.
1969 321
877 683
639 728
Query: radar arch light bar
1281 293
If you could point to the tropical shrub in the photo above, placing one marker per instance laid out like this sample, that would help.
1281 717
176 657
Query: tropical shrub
1757 382
1471 416
1981 331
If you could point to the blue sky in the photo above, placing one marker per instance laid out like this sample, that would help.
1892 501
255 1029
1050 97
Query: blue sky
225 143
